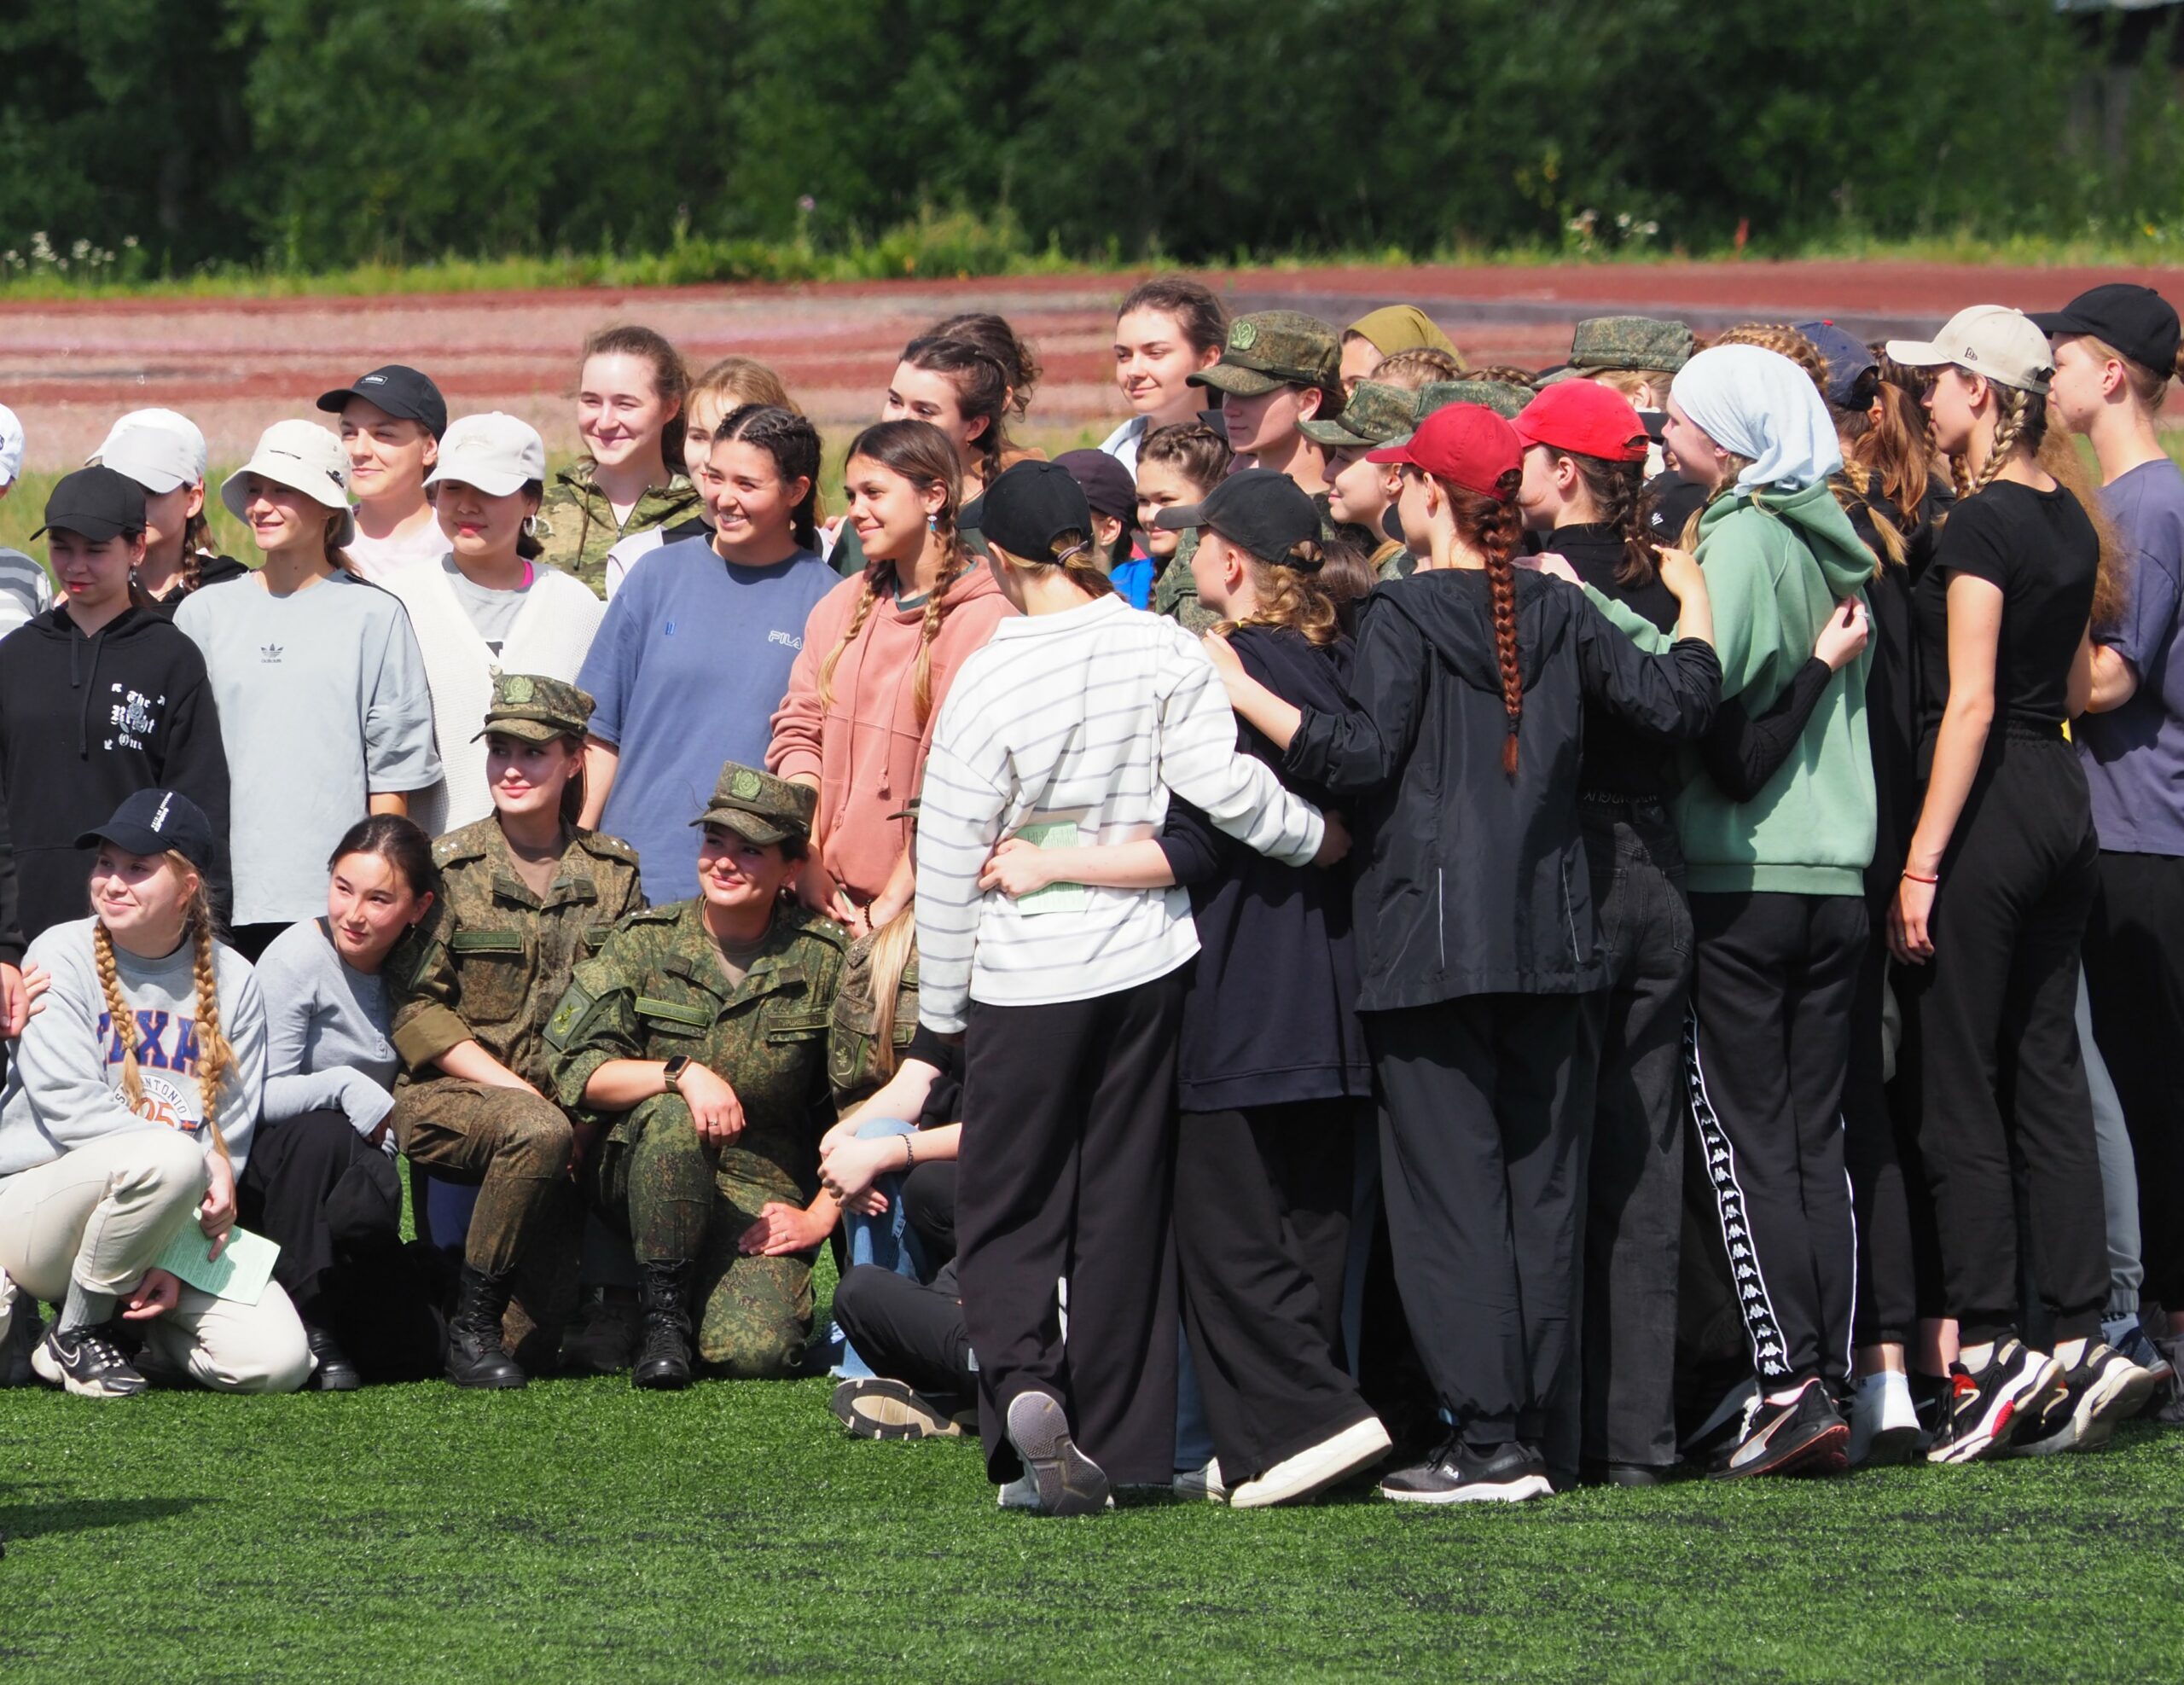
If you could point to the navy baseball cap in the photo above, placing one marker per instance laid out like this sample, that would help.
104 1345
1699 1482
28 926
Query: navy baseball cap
94 504
1847 358
154 822
402 391
1106 485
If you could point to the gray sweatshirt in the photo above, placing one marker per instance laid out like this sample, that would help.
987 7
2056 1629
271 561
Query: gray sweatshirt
326 1032
64 1074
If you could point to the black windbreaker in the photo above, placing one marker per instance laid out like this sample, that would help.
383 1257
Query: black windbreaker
84 721
1472 882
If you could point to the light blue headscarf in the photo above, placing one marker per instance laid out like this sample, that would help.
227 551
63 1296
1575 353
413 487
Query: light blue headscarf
1758 404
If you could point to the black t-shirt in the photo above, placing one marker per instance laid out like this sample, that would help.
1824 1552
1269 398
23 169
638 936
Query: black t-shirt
1620 759
2040 550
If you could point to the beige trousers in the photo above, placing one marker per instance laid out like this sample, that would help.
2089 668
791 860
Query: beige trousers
100 1215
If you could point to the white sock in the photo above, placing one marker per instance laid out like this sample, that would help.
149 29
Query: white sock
2071 1352
1977 1357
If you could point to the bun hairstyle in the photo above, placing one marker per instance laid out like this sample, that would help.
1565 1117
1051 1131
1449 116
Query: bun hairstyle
992 334
983 390
1309 591
1192 305
1411 369
1490 527
1192 449
215 1057
670 378
1077 555
922 454
1784 340
793 444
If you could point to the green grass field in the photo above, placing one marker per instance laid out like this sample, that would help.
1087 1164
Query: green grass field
581 1531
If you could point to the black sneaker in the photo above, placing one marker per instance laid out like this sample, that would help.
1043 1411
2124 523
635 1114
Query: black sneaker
1065 1481
1982 1409
87 1362
873 1407
1508 1473
25 1329
332 1370
2106 1387
1806 1435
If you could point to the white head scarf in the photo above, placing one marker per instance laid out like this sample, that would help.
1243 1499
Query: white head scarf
1758 404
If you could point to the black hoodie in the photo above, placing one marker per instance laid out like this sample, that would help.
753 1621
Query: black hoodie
85 722
1473 882
212 570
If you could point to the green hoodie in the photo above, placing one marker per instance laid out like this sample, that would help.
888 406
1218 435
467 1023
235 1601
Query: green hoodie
1776 566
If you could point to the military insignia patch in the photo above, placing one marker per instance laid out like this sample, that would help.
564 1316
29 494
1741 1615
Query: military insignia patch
517 689
745 786
1243 335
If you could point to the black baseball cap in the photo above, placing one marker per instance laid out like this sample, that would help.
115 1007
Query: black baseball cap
153 822
402 391
1028 507
1263 512
1107 482
2136 320
94 503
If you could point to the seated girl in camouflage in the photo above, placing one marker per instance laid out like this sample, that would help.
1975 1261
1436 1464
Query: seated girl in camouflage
524 894
700 1030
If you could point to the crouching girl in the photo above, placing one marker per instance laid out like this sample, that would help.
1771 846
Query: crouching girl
128 1114
700 1030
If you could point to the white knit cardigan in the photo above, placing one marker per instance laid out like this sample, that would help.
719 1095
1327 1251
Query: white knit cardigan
552 634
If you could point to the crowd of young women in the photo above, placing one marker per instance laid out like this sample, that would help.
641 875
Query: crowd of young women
1575 974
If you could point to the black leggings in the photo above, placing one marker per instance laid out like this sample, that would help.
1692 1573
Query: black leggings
2002 1074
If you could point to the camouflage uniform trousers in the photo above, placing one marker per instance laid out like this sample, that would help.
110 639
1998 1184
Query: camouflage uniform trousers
513 1147
676 1200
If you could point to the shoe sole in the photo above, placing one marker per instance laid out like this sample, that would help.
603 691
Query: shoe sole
1313 1471
2093 1423
901 1417
348 1383
43 1367
508 1384
1992 1439
1070 1483
1511 1491
1826 1450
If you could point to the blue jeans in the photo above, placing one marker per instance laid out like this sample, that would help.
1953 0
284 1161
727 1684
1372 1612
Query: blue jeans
887 1240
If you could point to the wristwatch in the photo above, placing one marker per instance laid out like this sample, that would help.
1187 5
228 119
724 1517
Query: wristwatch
673 1070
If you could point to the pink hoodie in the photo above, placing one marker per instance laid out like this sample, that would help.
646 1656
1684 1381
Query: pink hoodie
867 748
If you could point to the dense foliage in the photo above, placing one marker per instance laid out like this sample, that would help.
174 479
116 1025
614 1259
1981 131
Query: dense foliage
297 136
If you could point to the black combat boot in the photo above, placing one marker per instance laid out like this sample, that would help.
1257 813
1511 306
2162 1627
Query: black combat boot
663 1362
474 1356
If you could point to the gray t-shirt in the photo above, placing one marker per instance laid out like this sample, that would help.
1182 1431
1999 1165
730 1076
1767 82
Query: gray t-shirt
323 705
2134 755
327 1042
492 613
26 589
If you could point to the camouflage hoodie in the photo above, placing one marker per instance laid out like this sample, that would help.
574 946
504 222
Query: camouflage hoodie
577 526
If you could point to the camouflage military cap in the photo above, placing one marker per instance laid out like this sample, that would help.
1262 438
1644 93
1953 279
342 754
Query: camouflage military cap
760 807
1272 348
1505 401
1375 414
1631 342
536 709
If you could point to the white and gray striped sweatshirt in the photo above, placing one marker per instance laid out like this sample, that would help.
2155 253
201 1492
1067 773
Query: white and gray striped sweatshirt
1091 716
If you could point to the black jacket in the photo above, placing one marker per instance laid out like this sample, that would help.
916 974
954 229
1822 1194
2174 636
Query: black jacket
1473 883
1270 1015
84 721
212 570
1622 759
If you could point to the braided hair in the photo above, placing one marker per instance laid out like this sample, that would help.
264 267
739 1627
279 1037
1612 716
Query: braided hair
1490 527
215 1057
919 452
792 442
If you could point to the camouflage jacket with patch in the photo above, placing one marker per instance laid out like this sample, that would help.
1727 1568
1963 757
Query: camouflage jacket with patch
656 989
577 522
853 1060
492 960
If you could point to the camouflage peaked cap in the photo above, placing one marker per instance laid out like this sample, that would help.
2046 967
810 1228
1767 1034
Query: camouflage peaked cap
1272 348
1631 342
759 807
1375 414
536 709
1505 401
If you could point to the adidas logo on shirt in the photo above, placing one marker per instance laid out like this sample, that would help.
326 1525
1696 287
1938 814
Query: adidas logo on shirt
270 652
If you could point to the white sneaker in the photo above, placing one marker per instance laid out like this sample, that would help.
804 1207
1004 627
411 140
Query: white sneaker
1202 1483
1316 1467
1883 1422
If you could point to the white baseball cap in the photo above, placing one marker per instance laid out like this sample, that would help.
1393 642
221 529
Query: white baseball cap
157 458
305 457
11 446
497 453
159 420
2004 344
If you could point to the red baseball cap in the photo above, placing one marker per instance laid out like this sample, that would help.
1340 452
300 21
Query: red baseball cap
1585 418
1466 444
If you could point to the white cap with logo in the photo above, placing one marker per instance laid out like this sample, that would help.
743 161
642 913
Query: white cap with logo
2004 344
499 454
188 458
11 446
305 457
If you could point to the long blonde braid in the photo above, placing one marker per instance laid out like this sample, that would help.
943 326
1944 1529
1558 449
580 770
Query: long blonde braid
2020 417
215 1055
865 598
124 1020
936 611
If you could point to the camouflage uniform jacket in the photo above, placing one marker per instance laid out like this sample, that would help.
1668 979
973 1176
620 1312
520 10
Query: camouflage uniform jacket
580 526
656 989
492 960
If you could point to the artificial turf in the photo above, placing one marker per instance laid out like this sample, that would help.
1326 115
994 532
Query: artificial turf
578 1529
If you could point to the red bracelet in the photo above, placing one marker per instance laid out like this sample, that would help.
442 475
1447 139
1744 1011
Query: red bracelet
1914 878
